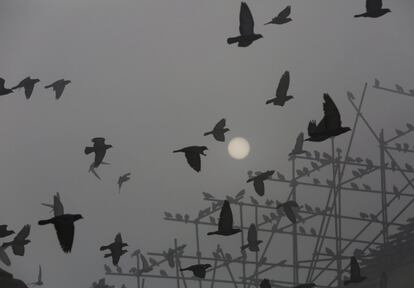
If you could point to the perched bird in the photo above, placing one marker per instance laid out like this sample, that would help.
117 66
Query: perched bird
252 242
39 281
329 126
218 131
265 284
28 84
58 86
198 270
258 181
116 249
57 206
288 208
282 17
298 149
246 28
99 148
225 225
193 155
65 229
355 273
4 232
7 280
4 90
122 179
20 241
281 91
306 285
374 9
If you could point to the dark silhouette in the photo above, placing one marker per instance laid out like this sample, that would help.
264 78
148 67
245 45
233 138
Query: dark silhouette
39 281
252 242
374 9
116 249
65 229
281 91
4 232
282 17
219 130
99 148
193 155
265 284
306 285
122 179
298 149
329 126
4 90
4 257
92 169
28 84
258 181
225 225
288 208
7 280
198 270
58 86
57 206
355 273
246 28
20 241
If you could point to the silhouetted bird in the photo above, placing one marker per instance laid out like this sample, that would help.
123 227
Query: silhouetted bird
298 149
355 273
122 179
28 84
39 281
198 270
58 86
252 242
4 90
99 148
246 28
225 225
65 229
219 130
265 284
374 9
116 249
281 91
282 17
288 208
193 155
7 280
4 232
57 206
306 285
20 241
258 181
329 126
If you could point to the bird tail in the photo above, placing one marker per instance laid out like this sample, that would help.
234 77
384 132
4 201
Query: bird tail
88 150
45 222
232 40
208 133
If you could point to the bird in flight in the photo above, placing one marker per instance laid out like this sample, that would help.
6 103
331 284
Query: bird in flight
193 155
258 181
219 130
198 270
122 179
116 249
374 9
252 242
57 206
20 241
225 225
4 90
39 281
28 84
298 149
265 284
281 91
282 17
329 126
355 273
58 86
99 148
246 28
4 232
289 208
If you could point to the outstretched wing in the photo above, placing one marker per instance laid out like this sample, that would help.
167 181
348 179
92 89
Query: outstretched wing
23 234
194 160
118 238
28 90
220 125
58 208
299 142
332 118
65 233
226 217
373 5
284 13
259 187
99 156
283 86
252 234
58 90
355 270
246 20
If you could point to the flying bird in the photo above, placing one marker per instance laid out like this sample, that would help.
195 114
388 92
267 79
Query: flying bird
116 249
288 208
258 181
99 148
219 130
252 242
265 284
355 273
122 179
282 17
57 206
298 149
374 9
198 270
65 229
20 241
193 155
281 91
39 281
28 84
4 232
4 90
329 126
246 28
58 86
225 225
7 280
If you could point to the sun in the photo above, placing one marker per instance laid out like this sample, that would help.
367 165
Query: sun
238 148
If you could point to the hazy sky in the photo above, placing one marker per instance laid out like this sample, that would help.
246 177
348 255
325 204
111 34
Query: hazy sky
151 76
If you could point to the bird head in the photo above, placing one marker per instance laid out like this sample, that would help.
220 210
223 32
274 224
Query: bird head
203 149
36 80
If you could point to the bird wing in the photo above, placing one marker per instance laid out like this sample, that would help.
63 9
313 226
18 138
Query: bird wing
99 156
18 249
289 213
355 270
332 118
284 13
58 208
220 125
28 90
252 234
246 20
4 257
259 187
219 136
65 233
299 142
39 277
373 5
226 217
23 234
194 160
58 90
2 81
118 239
283 86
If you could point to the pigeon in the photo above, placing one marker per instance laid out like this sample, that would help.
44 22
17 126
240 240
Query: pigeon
99 148
116 249
246 28
198 270
281 91
39 281
329 126
65 229
4 90
122 179
225 225
374 9
282 17
298 149
265 284
258 181
20 241
218 131
252 242
355 273
57 206
7 280
288 209
193 155
306 285
28 84
58 86
4 232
